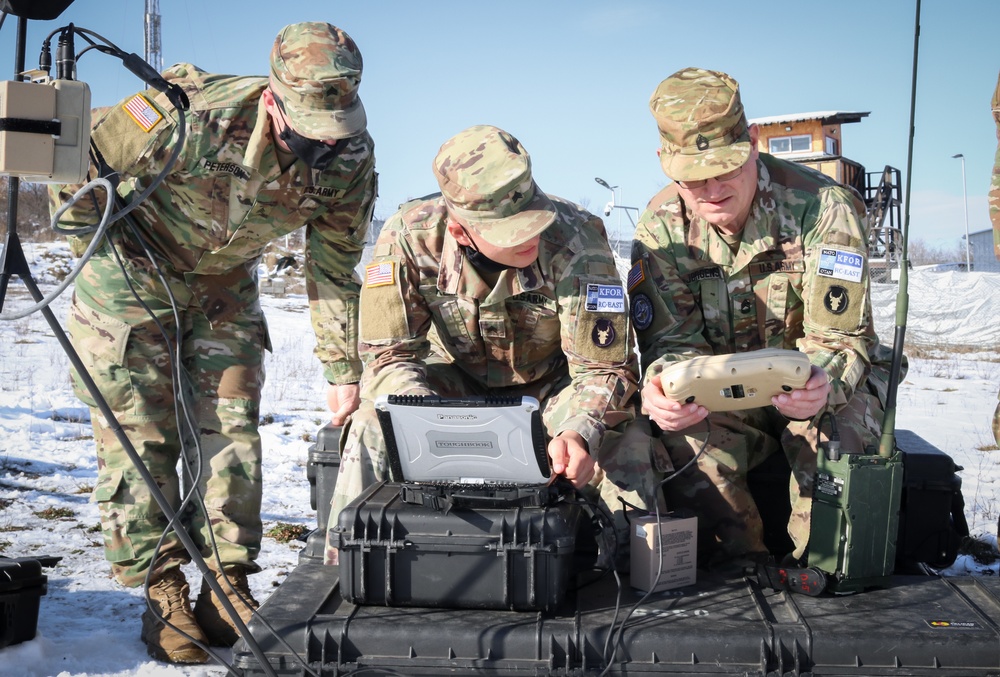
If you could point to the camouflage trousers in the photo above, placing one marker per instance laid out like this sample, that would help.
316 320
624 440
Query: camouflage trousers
996 421
631 462
127 355
716 490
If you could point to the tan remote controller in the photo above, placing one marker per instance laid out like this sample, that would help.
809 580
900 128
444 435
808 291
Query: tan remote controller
737 381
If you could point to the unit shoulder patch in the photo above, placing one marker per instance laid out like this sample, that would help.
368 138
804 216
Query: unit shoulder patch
642 312
604 333
836 300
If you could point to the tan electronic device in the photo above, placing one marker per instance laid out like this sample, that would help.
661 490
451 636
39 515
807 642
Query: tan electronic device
737 381
46 132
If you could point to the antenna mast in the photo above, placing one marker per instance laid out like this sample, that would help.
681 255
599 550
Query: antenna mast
154 55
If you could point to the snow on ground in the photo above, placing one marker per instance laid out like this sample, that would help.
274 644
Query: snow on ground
88 625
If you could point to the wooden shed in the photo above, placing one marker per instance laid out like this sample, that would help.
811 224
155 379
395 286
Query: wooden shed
815 140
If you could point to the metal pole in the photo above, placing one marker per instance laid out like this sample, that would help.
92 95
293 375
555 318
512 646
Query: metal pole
619 235
965 196
887 443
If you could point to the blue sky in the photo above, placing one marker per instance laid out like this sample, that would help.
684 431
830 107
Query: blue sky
572 80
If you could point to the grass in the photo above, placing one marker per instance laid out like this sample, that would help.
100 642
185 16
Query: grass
283 532
943 352
980 550
55 513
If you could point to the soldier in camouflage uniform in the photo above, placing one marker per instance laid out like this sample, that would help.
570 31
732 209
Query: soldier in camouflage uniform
995 218
493 288
182 325
745 251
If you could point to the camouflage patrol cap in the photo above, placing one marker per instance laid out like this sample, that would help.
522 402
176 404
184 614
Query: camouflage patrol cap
315 72
485 179
703 129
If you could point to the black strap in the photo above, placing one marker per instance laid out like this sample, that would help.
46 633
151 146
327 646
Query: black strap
52 127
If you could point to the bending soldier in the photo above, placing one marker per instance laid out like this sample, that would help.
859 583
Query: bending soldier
483 290
262 157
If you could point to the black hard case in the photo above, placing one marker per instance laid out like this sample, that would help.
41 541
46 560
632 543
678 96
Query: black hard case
22 585
400 554
919 625
932 510
322 470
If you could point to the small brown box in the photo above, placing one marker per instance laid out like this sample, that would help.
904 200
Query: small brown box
680 546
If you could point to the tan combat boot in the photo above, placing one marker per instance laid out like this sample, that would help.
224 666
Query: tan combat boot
168 596
213 618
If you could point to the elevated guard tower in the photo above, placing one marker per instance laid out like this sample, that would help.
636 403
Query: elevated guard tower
815 140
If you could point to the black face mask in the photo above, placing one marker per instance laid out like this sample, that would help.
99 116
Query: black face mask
481 262
316 154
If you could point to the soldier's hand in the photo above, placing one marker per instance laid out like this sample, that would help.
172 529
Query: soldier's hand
569 456
343 400
669 414
804 403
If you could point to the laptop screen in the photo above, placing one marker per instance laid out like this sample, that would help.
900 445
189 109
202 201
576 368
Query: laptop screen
473 440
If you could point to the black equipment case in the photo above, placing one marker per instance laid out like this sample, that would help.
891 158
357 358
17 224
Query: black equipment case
917 626
22 585
932 511
322 470
396 552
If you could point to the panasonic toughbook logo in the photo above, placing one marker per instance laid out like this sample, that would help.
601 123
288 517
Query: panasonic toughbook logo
447 444
457 417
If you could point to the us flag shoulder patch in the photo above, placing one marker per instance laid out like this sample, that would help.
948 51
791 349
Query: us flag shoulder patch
379 274
635 276
142 112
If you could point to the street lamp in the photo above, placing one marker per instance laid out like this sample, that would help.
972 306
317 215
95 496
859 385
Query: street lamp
610 206
965 196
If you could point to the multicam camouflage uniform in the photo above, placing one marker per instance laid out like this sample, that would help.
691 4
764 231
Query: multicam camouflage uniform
206 226
431 324
691 294
995 218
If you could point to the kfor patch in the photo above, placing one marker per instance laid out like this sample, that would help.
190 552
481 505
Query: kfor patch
605 298
840 264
